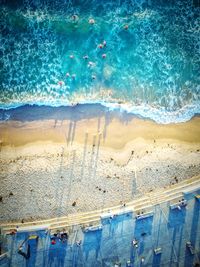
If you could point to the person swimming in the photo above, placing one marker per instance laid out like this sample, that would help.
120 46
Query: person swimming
61 83
91 21
85 57
104 56
126 27
91 64
75 18
102 45
67 74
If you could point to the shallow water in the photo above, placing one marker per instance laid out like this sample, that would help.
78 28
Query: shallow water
151 69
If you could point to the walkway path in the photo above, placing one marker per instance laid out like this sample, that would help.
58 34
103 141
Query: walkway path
171 194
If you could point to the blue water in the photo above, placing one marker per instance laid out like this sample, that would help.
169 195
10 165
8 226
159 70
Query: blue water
151 69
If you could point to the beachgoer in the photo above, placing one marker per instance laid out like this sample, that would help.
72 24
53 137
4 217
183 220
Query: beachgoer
53 242
126 27
85 57
135 243
65 235
138 215
93 77
104 56
75 17
60 83
104 43
91 64
100 46
67 74
13 232
78 243
91 21
183 203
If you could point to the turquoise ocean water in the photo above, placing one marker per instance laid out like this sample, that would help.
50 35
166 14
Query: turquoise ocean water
140 56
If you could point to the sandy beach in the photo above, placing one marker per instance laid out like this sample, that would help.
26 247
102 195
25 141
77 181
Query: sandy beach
78 160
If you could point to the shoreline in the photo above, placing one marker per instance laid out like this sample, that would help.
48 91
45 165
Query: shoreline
142 111
68 125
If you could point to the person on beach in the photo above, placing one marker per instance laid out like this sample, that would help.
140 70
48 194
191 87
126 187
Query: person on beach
135 243
53 241
13 232
78 243
183 202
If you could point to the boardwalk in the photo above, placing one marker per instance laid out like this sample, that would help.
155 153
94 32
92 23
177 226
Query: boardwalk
161 239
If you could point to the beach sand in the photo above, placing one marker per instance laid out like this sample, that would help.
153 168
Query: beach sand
75 160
